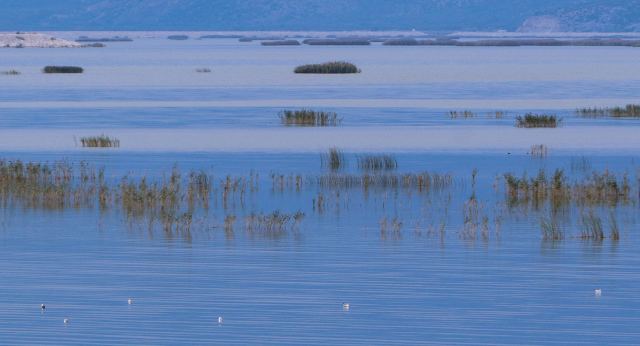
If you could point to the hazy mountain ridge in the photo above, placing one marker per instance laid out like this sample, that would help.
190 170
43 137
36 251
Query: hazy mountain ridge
445 15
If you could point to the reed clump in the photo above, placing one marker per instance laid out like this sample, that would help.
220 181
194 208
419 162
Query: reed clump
10 73
596 189
334 159
377 163
628 111
308 117
334 67
101 141
63 69
531 120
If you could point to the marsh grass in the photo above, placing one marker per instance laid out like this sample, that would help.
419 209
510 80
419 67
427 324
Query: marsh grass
531 120
275 223
628 111
10 73
101 141
596 189
334 67
308 117
377 163
63 69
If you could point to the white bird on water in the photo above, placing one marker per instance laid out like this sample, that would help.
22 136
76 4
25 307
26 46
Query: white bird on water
220 320
130 301
346 306
598 292
66 321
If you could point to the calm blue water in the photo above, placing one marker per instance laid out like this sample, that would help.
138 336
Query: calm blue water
408 287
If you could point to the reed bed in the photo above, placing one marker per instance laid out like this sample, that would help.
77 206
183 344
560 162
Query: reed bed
101 141
628 111
308 117
595 189
531 120
63 69
377 163
335 67
461 114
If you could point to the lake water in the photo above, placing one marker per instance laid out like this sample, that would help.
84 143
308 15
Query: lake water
405 259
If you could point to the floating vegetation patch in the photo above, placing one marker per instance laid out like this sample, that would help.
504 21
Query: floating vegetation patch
63 69
335 67
10 73
337 42
203 70
377 163
281 43
178 37
401 42
308 117
628 111
101 141
531 120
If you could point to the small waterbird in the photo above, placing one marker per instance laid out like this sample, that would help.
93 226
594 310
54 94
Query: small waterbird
66 321
219 319
130 301
42 307
345 306
598 292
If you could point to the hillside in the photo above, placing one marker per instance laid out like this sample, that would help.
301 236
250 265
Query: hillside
433 15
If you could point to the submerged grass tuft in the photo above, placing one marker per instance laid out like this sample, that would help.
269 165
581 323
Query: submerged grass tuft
377 163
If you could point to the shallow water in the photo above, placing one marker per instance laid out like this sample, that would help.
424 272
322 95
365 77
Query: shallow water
411 287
